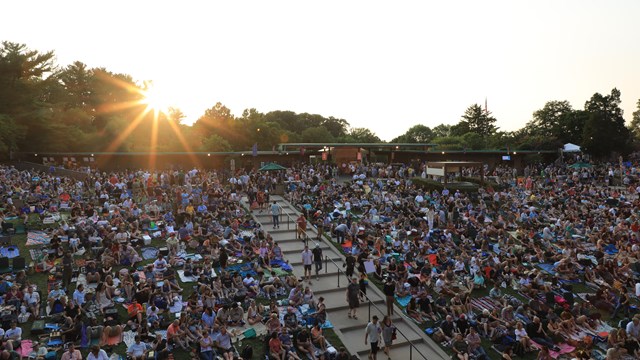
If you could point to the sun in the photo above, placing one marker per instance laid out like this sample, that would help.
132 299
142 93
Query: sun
155 99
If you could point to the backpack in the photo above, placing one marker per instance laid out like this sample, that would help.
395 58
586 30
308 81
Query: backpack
247 352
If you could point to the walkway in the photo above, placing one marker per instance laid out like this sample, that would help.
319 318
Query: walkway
333 288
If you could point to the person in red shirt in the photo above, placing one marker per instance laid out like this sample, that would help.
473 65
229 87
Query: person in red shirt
134 310
175 335
14 297
275 347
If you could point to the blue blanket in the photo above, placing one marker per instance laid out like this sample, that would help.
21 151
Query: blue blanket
548 268
9 251
403 301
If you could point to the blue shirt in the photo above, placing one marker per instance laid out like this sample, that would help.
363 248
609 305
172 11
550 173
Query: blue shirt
208 320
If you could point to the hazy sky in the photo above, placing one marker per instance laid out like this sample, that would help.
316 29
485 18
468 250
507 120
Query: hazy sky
382 65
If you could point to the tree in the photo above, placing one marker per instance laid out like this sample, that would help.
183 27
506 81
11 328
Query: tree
337 127
10 134
215 143
416 134
362 135
176 115
473 141
635 121
442 130
551 119
317 134
478 120
605 131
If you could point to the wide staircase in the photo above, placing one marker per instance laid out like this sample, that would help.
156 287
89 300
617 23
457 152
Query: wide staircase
411 343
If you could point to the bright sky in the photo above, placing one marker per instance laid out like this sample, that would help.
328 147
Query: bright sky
385 65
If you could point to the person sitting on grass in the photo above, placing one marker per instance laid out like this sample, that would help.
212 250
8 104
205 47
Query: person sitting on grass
137 350
304 344
318 338
223 343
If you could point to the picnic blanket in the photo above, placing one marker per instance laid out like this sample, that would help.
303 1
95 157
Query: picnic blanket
282 265
564 349
9 251
548 268
186 279
403 301
242 269
327 324
26 348
149 252
37 237
37 254
129 338
485 303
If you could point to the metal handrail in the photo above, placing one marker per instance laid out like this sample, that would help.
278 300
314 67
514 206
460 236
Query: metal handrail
411 345
290 219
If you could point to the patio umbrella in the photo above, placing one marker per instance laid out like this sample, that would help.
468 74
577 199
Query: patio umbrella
272 167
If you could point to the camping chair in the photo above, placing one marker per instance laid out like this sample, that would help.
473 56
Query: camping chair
4 265
19 263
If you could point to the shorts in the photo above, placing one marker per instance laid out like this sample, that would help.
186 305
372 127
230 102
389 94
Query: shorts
374 347
307 267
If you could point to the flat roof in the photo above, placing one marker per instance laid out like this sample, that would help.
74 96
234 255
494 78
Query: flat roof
455 163
320 145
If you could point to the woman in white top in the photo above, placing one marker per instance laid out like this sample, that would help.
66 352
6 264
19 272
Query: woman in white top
103 298
522 336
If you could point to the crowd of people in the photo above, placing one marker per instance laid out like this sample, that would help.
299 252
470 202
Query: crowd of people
545 261
212 277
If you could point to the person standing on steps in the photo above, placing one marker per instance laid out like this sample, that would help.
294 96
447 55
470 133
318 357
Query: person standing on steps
301 232
353 298
307 261
350 264
389 290
275 212
372 334
388 332
317 259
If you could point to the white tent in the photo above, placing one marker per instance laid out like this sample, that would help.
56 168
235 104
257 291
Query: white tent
569 147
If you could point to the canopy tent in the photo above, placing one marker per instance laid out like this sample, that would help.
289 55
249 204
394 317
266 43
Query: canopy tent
272 167
580 165
569 147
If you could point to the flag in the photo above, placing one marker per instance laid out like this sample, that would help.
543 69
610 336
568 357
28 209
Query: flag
302 151
486 109
254 149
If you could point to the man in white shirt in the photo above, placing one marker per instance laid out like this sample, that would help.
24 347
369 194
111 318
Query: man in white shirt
633 328
97 354
15 335
160 265
137 350
307 261
32 298
372 334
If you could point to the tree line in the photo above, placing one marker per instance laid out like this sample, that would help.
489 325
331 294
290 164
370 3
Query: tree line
46 107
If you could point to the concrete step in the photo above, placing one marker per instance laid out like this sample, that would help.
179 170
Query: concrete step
296 247
333 256
355 336
336 301
331 271
401 350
